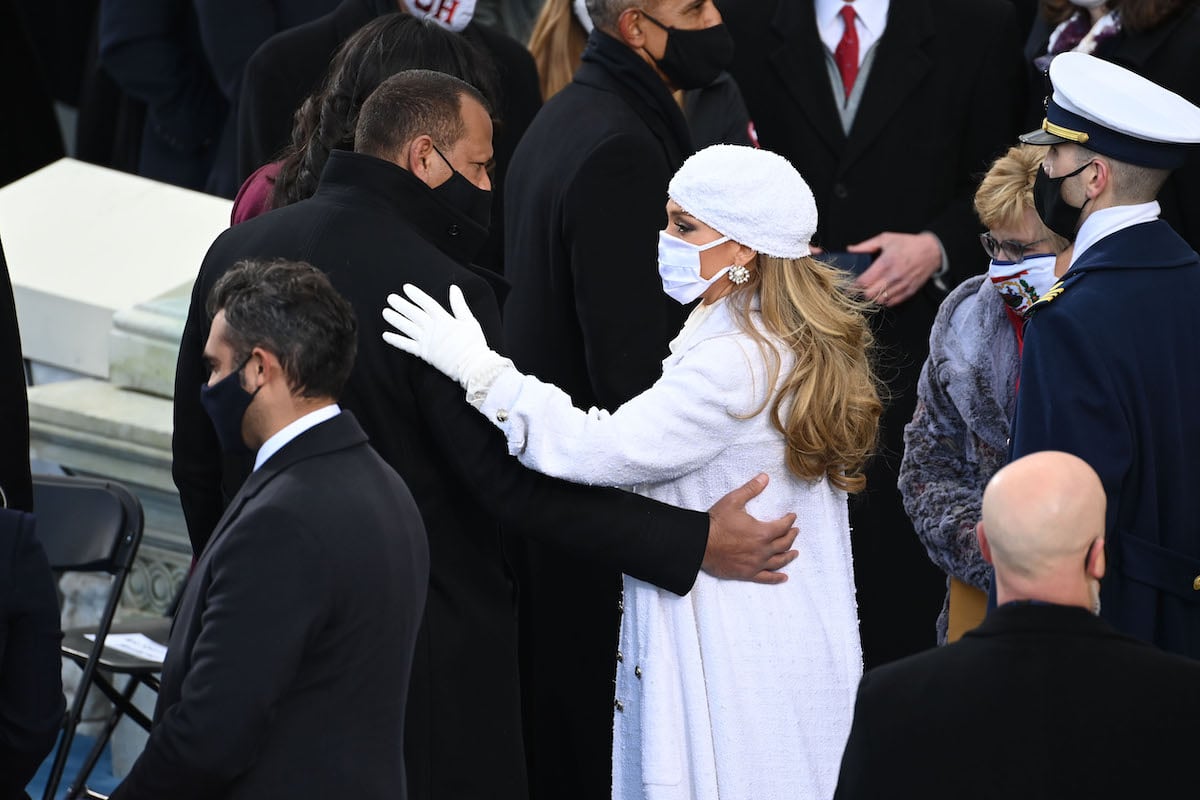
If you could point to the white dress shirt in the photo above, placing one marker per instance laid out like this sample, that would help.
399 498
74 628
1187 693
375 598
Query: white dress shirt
293 429
1111 220
870 21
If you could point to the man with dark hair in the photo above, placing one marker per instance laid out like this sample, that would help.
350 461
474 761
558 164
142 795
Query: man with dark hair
415 212
295 634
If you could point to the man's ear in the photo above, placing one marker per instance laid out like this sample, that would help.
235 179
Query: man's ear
629 28
263 367
1099 180
981 537
1094 563
417 157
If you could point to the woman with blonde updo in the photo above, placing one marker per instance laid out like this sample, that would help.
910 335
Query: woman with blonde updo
967 393
737 690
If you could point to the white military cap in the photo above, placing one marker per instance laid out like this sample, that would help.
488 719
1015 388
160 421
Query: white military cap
1117 113
755 197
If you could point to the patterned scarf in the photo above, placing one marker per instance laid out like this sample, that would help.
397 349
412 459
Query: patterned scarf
1079 35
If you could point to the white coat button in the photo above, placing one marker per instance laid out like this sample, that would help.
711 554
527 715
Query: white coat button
618 705
620 658
637 671
502 415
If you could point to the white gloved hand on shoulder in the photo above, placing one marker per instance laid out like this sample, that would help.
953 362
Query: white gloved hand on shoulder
454 343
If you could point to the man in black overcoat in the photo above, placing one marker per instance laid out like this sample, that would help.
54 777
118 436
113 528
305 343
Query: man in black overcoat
587 312
1043 700
1108 368
893 160
396 213
294 639
291 65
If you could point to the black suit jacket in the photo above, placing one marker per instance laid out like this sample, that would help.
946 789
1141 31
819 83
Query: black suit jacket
291 65
293 643
943 98
1037 702
31 697
15 481
373 227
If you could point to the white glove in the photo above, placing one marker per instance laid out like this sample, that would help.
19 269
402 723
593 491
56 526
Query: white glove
454 345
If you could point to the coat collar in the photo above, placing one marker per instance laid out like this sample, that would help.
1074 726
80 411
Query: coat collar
1054 620
1150 245
355 178
612 67
901 63
339 433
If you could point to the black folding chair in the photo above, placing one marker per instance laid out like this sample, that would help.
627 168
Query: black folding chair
88 525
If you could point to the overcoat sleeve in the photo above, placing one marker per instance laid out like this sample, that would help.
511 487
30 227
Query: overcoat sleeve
941 480
638 536
266 578
676 426
1069 400
614 208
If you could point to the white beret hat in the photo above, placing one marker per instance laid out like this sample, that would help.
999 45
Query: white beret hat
754 197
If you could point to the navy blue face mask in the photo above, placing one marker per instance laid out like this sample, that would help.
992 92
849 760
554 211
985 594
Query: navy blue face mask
226 403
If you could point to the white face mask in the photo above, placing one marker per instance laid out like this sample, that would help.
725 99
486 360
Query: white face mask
679 267
1022 285
581 14
452 15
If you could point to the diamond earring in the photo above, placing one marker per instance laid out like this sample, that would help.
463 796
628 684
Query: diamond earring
739 274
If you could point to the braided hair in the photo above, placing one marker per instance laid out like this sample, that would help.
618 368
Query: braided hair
384 46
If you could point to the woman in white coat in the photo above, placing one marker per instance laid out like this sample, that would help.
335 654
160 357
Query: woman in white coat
737 690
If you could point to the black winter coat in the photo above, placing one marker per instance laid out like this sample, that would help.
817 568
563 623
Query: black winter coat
373 227
1040 702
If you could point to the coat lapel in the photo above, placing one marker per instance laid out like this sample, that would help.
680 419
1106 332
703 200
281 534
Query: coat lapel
334 434
799 59
900 65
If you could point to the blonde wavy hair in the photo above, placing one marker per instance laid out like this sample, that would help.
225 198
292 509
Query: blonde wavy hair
828 406
556 43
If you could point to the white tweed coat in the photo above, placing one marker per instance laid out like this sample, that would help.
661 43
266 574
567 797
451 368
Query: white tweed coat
737 690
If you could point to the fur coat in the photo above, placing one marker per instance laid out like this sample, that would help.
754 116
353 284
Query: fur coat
958 437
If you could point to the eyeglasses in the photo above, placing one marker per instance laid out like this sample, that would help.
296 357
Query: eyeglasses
1007 250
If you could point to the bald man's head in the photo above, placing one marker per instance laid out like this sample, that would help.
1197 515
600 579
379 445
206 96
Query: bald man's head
1041 515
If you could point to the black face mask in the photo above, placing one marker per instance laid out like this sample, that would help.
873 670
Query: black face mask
694 58
465 197
1059 215
226 403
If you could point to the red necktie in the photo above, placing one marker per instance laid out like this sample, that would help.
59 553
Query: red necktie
846 54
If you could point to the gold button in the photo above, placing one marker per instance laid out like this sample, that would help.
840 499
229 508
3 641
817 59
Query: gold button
617 704
1196 583
502 415
637 671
